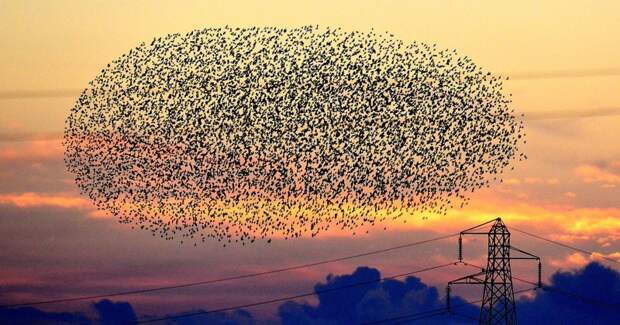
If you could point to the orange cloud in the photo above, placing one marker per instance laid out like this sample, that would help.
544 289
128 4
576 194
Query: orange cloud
562 222
30 199
579 259
594 174
512 181
602 257
572 260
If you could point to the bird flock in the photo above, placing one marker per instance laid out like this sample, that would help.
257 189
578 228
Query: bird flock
244 134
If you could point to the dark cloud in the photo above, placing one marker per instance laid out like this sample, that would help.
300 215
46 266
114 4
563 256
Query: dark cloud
573 297
356 305
233 318
107 312
115 312
587 296
31 315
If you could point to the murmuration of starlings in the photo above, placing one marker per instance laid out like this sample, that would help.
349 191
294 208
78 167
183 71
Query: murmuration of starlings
238 135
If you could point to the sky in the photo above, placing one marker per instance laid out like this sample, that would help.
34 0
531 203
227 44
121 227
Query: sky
563 62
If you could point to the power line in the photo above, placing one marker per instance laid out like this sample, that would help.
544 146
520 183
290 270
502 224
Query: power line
475 319
577 249
299 267
281 299
413 317
573 295
408 317
405 318
295 267
439 311
237 277
581 298
551 288
422 316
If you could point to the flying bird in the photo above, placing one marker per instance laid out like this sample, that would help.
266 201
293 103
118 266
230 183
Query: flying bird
237 135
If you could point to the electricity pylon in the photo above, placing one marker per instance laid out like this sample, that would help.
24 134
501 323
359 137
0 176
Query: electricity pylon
498 302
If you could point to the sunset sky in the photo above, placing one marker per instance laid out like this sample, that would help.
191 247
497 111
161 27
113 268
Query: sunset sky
562 60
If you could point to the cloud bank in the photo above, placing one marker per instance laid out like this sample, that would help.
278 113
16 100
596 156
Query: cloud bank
587 295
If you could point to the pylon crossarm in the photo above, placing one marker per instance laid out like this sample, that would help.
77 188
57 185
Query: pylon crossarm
469 279
529 255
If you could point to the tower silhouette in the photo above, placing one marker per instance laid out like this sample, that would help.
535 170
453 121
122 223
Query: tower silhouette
498 302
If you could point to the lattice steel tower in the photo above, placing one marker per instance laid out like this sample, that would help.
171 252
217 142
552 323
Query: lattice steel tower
498 301
498 298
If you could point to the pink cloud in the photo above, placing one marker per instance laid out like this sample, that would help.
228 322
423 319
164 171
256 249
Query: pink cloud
32 150
553 181
570 194
532 181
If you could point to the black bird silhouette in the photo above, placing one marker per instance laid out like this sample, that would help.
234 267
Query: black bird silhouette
245 134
